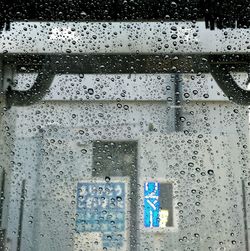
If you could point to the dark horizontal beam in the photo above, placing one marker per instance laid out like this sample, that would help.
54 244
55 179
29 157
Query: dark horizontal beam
108 63
47 67
125 63
220 13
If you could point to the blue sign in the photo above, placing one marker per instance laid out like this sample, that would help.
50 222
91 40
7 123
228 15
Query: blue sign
101 208
151 204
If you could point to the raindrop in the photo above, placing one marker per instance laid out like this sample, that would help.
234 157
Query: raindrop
84 151
174 36
90 91
173 4
107 179
210 172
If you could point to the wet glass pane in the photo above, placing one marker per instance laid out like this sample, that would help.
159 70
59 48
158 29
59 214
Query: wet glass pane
124 126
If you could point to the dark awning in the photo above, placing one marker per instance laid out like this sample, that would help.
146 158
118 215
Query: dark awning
220 13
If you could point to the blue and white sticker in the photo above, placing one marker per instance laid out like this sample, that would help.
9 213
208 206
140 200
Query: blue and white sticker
151 204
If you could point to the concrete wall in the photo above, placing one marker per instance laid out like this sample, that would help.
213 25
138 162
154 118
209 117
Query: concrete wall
47 138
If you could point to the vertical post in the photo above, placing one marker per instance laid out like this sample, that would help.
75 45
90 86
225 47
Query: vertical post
245 214
20 223
177 99
2 230
2 196
2 157
1 135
